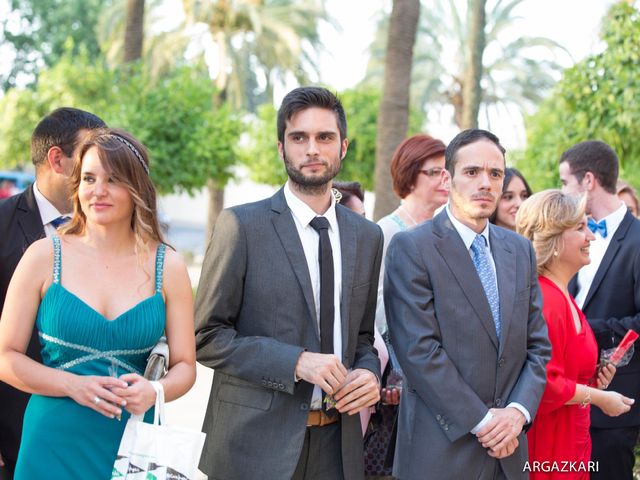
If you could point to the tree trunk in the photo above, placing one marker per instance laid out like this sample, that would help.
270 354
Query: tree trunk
471 88
134 31
216 204
393 120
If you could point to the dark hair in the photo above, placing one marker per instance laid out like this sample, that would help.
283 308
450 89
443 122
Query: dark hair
348 190
60 129
509 173
596 157
408 159
303 98
463 139
123 165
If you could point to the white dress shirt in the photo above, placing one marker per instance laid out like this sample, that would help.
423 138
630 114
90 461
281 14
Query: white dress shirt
468 236
48 212
597 250
302 216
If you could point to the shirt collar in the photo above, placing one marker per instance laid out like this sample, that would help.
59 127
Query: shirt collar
614 219
467 235
47 211
303 212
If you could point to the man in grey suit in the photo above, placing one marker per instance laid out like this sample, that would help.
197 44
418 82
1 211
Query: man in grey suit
285 315
464 311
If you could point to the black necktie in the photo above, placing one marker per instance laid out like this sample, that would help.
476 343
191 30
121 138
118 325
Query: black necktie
59 221
321 225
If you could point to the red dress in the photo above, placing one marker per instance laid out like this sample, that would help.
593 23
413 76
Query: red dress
559 435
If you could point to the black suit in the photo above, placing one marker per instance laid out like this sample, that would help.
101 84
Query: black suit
20 226
612 306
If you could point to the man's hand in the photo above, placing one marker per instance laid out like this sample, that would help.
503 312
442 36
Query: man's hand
506 451
1 460
499 432
360 390
322 369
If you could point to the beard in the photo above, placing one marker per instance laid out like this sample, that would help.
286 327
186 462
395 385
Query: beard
312 184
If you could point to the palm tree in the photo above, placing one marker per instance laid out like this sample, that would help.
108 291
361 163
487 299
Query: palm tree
134 31
474 49
510 75
393 120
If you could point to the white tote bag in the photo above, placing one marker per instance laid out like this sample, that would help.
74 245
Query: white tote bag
156 450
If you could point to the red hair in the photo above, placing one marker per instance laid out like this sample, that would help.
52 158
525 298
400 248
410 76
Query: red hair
408 160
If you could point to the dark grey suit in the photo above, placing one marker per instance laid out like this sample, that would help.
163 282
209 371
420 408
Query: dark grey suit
20 226
255 315
445 339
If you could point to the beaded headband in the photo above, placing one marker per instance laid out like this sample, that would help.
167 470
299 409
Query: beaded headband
134 150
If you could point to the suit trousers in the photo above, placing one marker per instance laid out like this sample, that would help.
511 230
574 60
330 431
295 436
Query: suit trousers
321 456
613 449
6 472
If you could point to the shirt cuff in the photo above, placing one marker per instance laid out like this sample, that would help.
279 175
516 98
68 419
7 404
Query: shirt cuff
522 410
482 423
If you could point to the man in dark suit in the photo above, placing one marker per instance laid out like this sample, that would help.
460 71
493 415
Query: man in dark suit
25 218
464 311
608 292
285 315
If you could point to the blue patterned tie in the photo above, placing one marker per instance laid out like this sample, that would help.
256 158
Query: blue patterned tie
59 221
600 226
487 277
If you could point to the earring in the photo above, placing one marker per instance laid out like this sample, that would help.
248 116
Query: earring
555 253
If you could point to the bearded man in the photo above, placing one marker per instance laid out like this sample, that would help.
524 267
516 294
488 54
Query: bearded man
285 315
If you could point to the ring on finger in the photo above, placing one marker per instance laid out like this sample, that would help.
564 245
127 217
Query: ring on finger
604 386
96 400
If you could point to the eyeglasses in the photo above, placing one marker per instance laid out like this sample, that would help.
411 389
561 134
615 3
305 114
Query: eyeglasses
432 172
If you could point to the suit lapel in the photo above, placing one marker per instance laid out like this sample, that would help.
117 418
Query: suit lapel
348 258
505 261
609 255
29 218
455 255
285 227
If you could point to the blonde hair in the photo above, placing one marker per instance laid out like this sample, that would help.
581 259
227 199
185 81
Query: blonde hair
127 169
543 217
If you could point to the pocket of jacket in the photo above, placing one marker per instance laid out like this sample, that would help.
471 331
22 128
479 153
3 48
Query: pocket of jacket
246 396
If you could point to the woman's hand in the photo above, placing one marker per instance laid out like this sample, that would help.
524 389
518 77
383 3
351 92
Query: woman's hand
139 394
615 404
605 375
97 393
390 396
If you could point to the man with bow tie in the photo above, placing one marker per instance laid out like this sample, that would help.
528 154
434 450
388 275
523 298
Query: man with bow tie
608 292
25 218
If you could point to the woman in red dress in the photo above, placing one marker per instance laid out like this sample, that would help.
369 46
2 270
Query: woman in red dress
559 442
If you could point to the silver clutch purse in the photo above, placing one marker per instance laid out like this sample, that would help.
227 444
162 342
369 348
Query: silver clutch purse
158 361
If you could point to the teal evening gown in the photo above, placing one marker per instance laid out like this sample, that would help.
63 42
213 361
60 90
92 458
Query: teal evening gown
62 439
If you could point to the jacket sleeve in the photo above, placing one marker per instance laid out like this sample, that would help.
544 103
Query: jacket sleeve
218 305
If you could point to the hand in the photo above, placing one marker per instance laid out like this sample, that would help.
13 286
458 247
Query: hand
390 396
139 394
605 375
322 369
359 390
502 429
1 460
615 404
506 451
97 393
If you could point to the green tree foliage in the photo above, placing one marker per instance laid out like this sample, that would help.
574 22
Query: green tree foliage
38 31
260 154
189 141
596 99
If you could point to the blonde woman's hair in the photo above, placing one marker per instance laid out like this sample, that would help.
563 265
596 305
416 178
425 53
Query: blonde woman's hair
543 217
127 162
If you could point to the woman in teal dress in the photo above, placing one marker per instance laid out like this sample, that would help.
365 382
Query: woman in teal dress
100 294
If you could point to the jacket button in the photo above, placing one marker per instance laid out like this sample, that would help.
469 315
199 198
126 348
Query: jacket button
438 417
446 427
264 383
304 406
501 362
281 386
498 402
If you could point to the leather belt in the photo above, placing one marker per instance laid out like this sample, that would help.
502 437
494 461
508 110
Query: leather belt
317 418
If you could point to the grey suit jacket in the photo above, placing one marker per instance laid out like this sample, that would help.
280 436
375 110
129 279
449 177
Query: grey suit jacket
445 339
255 315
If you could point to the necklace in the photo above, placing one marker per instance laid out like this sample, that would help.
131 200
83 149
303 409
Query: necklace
406 212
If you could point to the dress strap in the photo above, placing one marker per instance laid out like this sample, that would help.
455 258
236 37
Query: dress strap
57 265
159 266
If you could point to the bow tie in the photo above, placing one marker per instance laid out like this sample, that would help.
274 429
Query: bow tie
59 221
600 226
